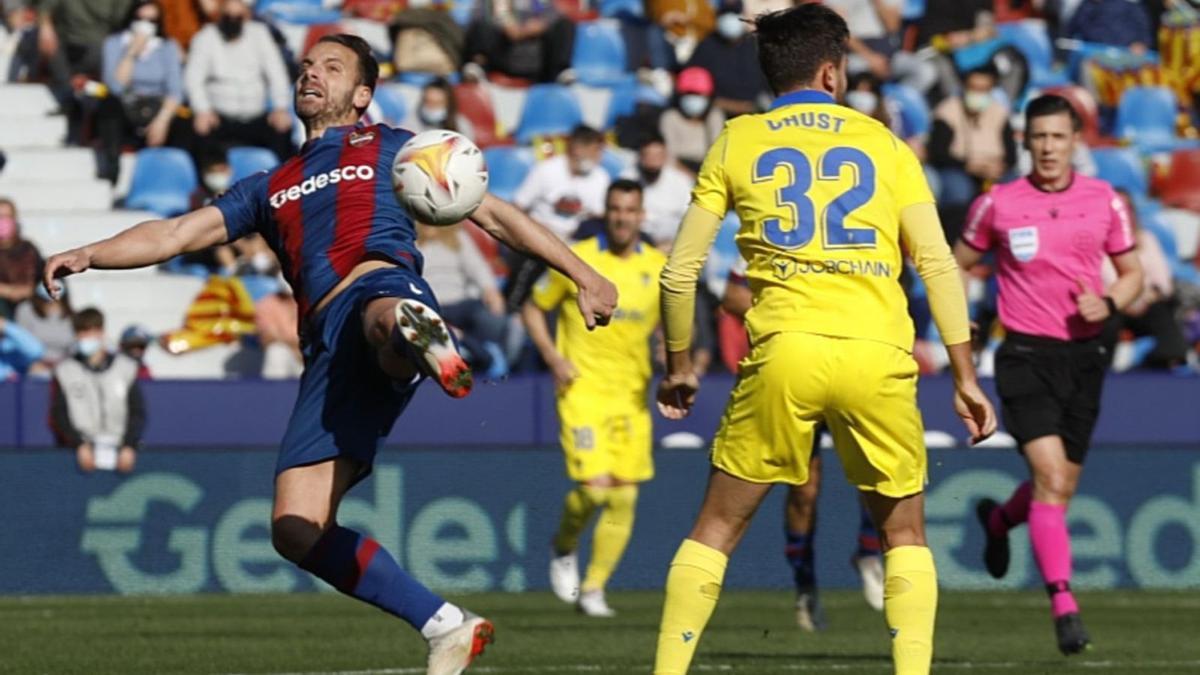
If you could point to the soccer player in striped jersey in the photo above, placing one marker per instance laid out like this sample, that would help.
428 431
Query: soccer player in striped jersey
1051 230
368 321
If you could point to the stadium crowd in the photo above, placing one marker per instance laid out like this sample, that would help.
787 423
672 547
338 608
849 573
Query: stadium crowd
211 78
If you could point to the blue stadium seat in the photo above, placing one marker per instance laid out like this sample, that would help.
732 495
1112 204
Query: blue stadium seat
303 12
507 168
915 117
1146 118
392 105
1122 167
462 11
163 181
420 79
599 55
622 8
912 10
614 163
247 161
550 110
1033 41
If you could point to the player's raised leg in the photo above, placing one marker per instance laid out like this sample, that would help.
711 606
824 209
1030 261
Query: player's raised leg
1055 478
304 530
698 569
410 338
910 580
800 529
996 520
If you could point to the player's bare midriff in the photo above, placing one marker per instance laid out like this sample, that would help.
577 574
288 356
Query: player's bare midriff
368 265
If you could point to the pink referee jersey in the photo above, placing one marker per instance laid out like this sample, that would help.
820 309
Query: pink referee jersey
1045 241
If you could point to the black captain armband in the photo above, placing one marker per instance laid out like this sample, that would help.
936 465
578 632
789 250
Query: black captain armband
1112 305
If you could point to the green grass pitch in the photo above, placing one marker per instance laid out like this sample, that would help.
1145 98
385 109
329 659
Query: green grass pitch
751 633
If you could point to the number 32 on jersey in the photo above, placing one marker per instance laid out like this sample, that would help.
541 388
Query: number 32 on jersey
806 216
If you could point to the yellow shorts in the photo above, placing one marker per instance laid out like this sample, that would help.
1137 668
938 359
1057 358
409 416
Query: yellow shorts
601 438
865 391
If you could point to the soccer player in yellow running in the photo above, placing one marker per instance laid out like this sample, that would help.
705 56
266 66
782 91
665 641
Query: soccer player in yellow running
603 379
826 197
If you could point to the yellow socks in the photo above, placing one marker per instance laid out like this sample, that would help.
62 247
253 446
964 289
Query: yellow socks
910 607
693 586
611 535
578 508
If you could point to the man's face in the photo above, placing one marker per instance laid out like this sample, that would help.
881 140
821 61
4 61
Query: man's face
328 86
980 82
235 9
583 156
8 225
1051 140
623 218
651 160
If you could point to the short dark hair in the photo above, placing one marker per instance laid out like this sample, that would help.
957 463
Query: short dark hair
87 319
368 67
585 135
987 69
794 43
651 137
623 185
1051 104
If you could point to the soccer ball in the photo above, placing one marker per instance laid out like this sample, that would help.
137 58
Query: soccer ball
439 176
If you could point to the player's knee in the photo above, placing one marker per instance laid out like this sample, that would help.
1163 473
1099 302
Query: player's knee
379 320
293 536
1056 487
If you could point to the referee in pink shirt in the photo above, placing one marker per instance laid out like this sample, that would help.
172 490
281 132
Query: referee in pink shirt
1050 232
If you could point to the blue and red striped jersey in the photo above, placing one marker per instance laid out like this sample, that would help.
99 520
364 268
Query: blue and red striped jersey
327 209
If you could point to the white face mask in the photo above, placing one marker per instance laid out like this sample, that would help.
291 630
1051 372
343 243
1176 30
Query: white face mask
584 166
143 27
693 105
87 346
730 26
862 101
217 181
977 101
432 116
261 262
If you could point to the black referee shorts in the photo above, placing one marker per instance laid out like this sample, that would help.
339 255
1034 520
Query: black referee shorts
1050 387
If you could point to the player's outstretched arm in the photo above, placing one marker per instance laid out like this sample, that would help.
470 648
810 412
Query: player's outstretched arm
597 295
938 268
147 243
677 391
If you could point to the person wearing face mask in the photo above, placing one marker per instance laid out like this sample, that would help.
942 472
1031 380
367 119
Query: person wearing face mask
692 123
237 85
439 110
96 405
49 321
665 190
971 144
560 193
144 73
730 55
20 261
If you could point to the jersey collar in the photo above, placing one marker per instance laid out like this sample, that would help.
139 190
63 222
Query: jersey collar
802 96
602 243
334 134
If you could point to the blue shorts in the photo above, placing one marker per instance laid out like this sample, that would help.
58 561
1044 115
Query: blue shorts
347 404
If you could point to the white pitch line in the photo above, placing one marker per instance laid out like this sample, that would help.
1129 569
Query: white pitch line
775 668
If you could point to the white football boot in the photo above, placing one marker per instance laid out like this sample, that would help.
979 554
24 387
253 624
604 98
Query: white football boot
451 653
432 348
564 576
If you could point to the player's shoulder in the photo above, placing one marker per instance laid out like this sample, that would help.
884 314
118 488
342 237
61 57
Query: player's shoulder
1090 186
651 256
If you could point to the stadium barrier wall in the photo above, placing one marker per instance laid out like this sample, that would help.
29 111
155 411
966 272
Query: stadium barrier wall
194 516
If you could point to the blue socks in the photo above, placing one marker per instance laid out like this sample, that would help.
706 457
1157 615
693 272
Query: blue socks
868 536
357 566
799 552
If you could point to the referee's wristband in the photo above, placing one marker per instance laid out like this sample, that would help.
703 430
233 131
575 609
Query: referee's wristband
1112 305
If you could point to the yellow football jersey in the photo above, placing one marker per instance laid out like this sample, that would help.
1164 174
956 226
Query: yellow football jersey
613 360
819 189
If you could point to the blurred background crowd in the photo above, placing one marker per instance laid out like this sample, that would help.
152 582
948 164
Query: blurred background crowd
116 110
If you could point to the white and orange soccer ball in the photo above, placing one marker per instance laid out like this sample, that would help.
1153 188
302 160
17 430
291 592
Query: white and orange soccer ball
440 177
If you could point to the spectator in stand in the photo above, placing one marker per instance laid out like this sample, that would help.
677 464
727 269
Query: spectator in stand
560 193
730 55
20 261
144 74
947 25
874 33
96 405
864 93
692 123
426 40
971 144
1120 23
182 19
468 294
666 190
18 42
71 34
686 23
520 38
134 341
1152 314
19 350
275 317
438 109
49 321
237 85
